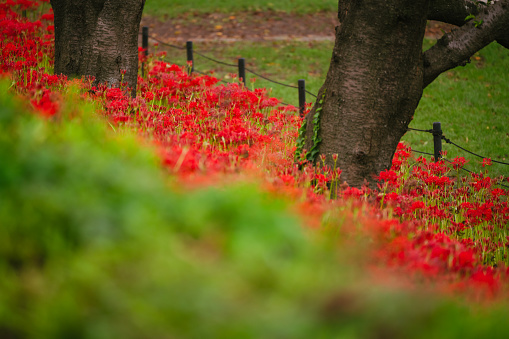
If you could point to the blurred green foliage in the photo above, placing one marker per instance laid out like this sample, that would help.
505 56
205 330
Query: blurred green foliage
95 244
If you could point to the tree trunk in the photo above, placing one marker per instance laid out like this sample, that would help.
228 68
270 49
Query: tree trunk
372 89
98 38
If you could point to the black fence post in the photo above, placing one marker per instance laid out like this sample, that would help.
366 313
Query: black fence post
437 140
190 59
144 39
302 96
144 45
242 70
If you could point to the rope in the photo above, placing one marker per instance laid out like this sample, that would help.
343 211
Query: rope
226 82
166 44
261 76
420 130
214 60
439 133
461 168
464 169
435 133
477 155
422 152
308 92
276 82
220 80
227 64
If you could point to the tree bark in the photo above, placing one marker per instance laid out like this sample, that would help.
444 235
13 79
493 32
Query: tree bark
98 38
372 88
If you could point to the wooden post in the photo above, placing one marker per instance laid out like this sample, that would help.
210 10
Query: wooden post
144 45
190 59
144 39
302 96
437 140
242 70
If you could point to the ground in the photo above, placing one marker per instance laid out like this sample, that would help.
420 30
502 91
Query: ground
253 26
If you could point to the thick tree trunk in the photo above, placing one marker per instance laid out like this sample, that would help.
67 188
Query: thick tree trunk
98 38
372 88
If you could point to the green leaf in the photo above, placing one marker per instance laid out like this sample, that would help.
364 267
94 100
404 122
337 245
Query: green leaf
478 23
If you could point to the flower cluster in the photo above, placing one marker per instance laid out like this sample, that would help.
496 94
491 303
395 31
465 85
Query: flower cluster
425 220
472 208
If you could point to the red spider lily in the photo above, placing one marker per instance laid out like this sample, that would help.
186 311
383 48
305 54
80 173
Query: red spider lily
458 162
288 179
417 205
389 176
45 105
204 130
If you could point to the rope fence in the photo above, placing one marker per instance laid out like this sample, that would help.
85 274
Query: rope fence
436 131
438 136
241 66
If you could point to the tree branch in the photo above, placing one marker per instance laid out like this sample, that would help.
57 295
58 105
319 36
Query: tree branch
452 11
455 48
504 41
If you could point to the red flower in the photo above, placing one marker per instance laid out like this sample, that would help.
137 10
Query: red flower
417 205
48 16
486 279
352 192
389 176
458 162
45 105
465 259
288 179
149 96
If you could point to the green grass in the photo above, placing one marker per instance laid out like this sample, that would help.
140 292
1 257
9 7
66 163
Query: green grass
471 102
174 8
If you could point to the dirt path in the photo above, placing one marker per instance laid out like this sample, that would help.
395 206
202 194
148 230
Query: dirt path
254 26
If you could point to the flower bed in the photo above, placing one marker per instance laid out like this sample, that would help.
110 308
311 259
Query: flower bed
427 223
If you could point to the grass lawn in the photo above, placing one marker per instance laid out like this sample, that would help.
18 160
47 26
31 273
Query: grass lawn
174 8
